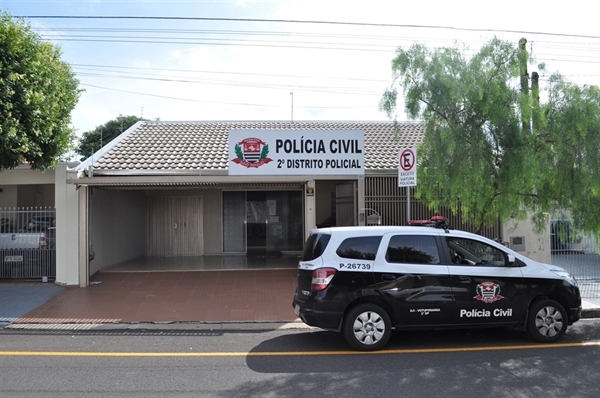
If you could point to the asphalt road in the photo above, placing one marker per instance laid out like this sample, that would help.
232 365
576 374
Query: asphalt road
297 363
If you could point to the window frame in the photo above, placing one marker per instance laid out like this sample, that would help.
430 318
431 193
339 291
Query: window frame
378 237
470 262
440 253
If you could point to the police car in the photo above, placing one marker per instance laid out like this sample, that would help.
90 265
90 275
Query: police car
366 281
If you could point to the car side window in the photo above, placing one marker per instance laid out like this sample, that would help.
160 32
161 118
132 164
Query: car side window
314 246
413 249
360 248
471 252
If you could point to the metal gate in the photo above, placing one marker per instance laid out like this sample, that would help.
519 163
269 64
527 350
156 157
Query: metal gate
579 254
383 195
28 243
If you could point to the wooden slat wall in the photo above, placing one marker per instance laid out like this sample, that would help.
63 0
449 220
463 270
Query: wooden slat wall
162 238
345 203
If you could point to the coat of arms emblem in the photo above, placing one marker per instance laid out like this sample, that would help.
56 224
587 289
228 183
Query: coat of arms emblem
488 292
251 152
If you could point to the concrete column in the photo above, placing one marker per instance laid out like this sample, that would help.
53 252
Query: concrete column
360 197
84 259
310 218
67 229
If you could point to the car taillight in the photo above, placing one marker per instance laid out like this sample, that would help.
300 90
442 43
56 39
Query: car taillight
321 278
43 243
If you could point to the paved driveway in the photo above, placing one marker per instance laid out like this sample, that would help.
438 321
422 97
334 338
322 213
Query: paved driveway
17 300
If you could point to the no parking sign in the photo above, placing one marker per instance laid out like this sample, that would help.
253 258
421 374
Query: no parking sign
407 167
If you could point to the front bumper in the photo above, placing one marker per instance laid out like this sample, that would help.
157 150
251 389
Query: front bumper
574 315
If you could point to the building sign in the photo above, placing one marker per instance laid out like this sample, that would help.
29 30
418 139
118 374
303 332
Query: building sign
296 152
407 167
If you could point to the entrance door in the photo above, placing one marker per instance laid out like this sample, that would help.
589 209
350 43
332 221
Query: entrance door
174 226
262 221
345 204
257 218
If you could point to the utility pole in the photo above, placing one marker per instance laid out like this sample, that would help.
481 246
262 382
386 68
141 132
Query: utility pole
525 100
535 101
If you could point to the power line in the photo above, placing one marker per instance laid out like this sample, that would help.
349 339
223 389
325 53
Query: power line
268 75
225 103
307 22
332 90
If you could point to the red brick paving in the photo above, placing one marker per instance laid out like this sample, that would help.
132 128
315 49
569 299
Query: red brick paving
201 296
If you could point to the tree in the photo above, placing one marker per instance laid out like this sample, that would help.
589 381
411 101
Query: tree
491 149
568 150
38 91
93 140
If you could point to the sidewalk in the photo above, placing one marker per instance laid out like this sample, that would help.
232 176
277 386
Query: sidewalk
237 299
248 296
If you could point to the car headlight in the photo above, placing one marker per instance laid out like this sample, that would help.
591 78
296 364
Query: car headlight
566 276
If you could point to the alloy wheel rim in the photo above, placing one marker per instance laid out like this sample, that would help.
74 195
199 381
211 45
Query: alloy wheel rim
369 328
549 321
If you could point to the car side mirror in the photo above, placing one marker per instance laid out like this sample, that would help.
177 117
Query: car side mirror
512 261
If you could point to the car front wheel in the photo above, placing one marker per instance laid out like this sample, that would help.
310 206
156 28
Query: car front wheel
547 321
367 327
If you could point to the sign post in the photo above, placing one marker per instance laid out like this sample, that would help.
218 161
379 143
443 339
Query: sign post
407 173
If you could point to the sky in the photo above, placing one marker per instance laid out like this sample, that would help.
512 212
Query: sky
284 60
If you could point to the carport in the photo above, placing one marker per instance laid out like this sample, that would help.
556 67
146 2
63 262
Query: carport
149 224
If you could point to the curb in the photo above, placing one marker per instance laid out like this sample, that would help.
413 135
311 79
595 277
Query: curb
259 326
164 326
589 313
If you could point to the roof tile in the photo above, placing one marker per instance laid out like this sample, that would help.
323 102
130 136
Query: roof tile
204 145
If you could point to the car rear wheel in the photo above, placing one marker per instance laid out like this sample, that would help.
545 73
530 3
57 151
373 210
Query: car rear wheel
367 327
547 321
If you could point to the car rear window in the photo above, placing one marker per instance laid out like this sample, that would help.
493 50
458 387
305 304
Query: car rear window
315 246
360 248
413 249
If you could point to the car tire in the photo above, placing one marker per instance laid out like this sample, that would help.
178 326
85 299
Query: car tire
547 321
367 327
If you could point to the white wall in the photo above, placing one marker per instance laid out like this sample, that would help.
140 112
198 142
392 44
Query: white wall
23 175
537 246
117 226
8 196
67 228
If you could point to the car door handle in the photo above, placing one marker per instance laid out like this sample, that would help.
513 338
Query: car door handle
464 279
388 278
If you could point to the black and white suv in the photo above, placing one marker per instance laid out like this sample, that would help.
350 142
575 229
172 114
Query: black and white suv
366 281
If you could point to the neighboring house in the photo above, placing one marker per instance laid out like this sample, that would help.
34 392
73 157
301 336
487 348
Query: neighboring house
31 195
22 187
179 189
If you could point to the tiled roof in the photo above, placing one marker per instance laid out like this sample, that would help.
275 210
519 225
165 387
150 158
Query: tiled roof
179 146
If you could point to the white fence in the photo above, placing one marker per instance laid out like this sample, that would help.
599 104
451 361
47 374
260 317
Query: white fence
28 243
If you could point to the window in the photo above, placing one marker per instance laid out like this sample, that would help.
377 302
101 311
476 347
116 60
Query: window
314 247
472 252
360 248
413 249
